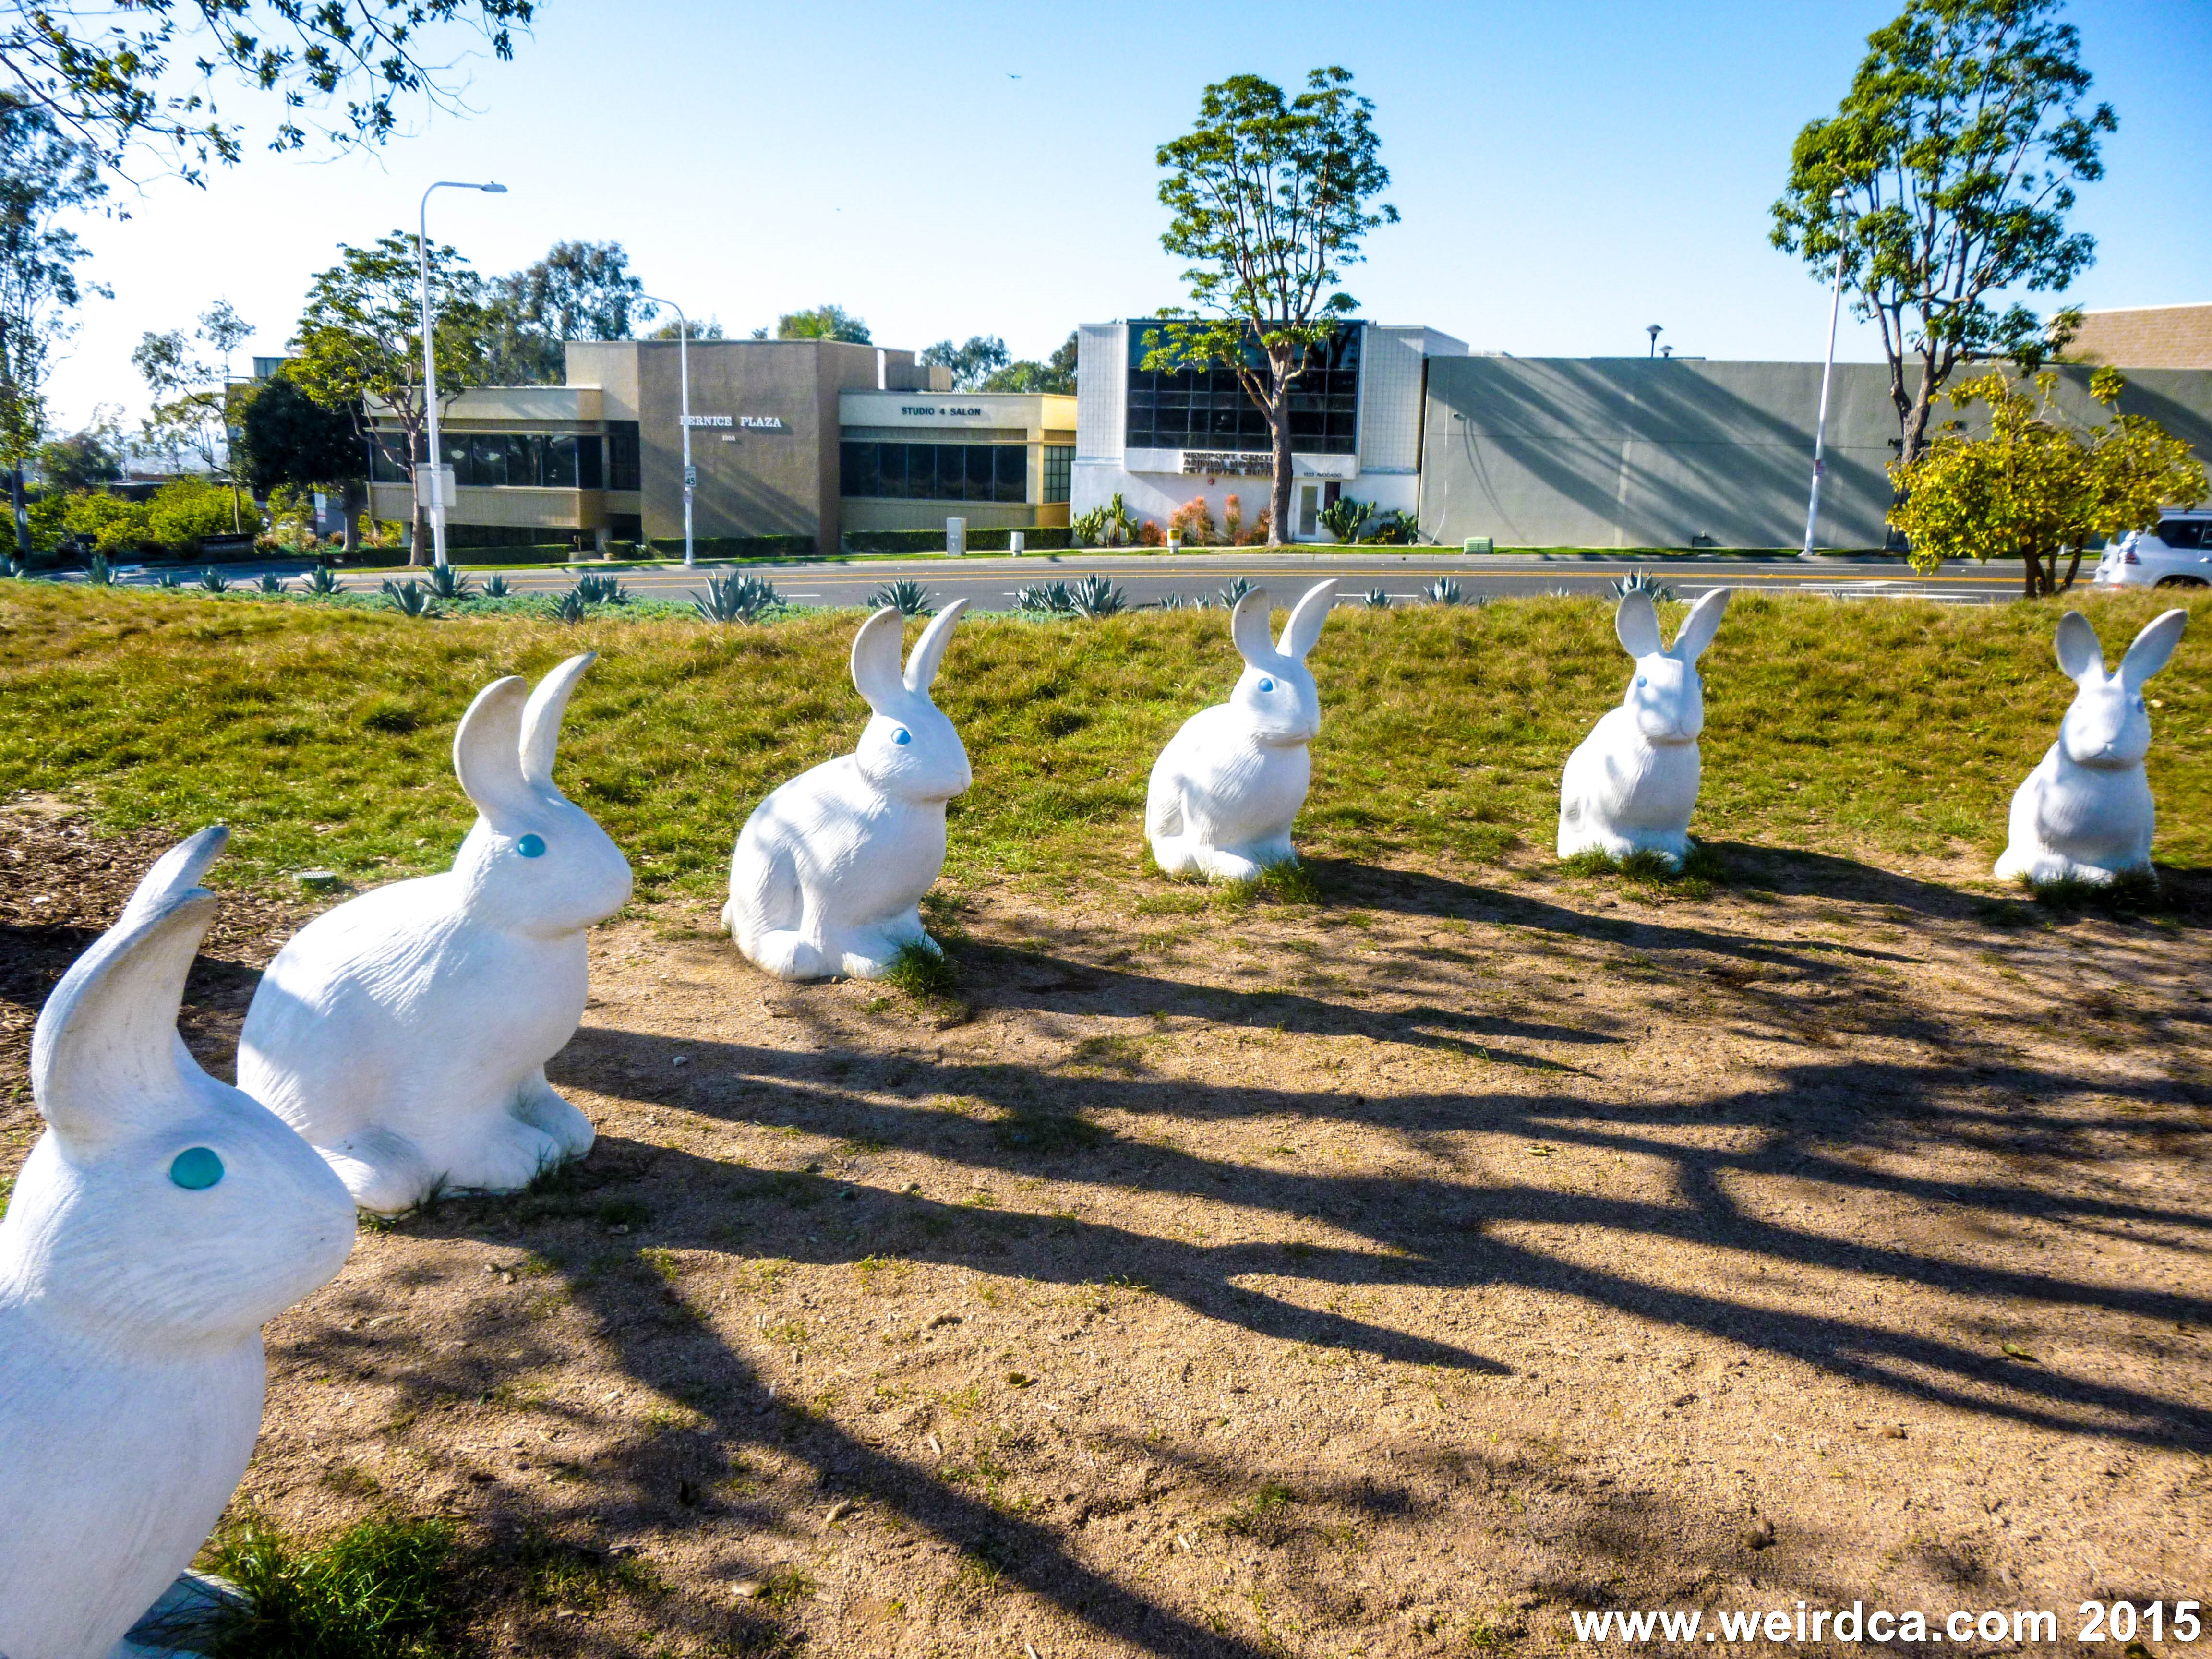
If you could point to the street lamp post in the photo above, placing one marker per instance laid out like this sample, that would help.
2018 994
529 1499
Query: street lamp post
1827 367
1654 330
437 473
684 375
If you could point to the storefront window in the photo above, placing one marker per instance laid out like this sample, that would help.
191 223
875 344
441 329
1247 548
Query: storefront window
506 461
1058 472
935 472
1209 407
621 455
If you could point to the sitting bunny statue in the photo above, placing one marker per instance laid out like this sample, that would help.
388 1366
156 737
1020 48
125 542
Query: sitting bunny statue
828 873
1631 786
159 1221
1228 787
2085 813
405 1033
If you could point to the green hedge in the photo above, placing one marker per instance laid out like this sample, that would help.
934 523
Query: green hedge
540 553
734 547
1038 538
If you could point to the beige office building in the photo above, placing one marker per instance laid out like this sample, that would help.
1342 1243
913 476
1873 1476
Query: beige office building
811 439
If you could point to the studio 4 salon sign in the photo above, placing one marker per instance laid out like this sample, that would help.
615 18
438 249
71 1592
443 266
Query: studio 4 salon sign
749 423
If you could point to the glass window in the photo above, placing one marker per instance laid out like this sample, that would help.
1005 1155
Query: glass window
1221 413
982 479
857 473
590 470
487 460
621 455
385 465
892 468
2182 533
560 464
1009 466
526 452
1058 472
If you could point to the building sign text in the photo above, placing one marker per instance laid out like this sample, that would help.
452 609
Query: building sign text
763 423
706 420
1228 464
933 409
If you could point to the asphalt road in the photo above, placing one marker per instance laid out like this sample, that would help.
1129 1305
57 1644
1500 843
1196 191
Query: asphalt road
989 581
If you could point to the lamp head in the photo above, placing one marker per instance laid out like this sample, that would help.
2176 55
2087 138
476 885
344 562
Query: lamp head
492 189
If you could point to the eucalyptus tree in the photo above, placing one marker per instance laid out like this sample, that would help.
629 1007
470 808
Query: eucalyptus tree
1271 198
1943 181
578 291
195 404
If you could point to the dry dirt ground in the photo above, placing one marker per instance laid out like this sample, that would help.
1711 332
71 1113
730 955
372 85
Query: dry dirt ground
1387 1277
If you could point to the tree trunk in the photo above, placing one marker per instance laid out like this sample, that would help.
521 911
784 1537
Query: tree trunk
1278 492
1915 430
2072 569
22 514
419 550
353 501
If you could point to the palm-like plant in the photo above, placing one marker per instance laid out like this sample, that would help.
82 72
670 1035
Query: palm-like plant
909 598
600 590
447 583
270 582
1376 599
410 597
736 599
98 573
322 579
496 588
1443 590
1095 597
214 580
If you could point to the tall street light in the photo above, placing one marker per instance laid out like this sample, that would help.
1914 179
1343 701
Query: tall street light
438 474
683 373
1820 426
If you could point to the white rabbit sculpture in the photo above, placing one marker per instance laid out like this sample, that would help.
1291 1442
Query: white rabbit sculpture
1631 784
828 874
161 1219
1228 787
405 1033
2085 813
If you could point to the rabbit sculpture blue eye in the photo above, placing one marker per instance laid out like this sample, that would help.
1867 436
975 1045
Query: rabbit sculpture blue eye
900 734
196 1169
531 847
1266 685
1640 680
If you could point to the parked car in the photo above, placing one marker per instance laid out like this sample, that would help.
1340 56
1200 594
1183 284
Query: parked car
2176 552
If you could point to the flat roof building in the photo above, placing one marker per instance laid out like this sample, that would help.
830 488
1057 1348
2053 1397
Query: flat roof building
811 439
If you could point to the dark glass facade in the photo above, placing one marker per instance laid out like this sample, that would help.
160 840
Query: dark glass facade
935 472
621 455
531 460
1209 407
1058 472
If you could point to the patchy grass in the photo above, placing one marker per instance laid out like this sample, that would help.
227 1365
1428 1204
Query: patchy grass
323 735
1654 872
925 975
378 1590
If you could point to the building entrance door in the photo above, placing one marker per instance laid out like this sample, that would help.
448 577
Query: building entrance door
1309 511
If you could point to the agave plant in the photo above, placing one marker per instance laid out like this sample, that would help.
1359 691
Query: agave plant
1643 582
410 597
600 590
496 588
1095 597
98 573
1236 591
10 570
170 579
321 580
1443 590
1045 600
1177 602
569 608
1376 599
214 580
447 583
270 582
909 598
736 599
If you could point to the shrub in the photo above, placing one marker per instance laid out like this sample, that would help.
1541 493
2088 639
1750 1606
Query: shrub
1342 518
1193 522
1232 519
183 514
110 522
1149 534
1393 528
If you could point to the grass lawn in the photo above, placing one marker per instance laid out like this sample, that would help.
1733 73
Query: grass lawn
323 735
1396 1266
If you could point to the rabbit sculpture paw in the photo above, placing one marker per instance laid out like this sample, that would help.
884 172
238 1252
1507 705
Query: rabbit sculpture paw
828 872
159 1221
1226 790
1631 786
405 1033
2085 813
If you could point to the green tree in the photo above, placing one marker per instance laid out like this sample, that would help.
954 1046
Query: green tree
287 440
1055 373
578 291
44 176
83 460
144 75
972 364
196 406
1270 197
359 346
709 330
1956 149
822 323
2035 487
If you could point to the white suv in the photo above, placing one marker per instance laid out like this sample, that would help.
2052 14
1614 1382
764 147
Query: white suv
2176 552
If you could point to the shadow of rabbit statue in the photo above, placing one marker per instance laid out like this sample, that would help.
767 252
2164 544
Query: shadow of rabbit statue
405 1033
828 874
1632 785
159 1221
2085 813
1226 790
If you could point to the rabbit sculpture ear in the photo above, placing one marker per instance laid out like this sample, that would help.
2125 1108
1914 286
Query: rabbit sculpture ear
876 673
929 650
1700 625
2080 653
1303 632
487 752
2152 646
1636 623
1248 627
105 1053
541 720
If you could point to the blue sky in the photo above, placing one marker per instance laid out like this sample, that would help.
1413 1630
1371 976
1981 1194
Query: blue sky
1567 174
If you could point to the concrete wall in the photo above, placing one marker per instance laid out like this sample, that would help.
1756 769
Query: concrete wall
1639 453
